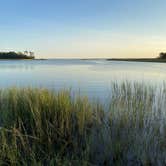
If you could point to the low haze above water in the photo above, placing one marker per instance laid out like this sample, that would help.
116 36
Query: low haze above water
89 77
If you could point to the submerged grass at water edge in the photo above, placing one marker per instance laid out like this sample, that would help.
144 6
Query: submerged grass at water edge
43 127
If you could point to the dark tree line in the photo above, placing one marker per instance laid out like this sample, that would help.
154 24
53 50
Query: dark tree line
14 55
162 55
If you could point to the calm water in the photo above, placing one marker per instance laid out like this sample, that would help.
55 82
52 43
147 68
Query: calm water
89 77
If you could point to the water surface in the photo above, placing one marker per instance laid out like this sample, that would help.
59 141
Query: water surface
90 77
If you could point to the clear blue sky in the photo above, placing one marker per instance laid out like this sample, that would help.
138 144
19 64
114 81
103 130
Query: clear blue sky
84 28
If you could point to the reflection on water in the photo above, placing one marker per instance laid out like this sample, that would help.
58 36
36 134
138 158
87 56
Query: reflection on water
90 77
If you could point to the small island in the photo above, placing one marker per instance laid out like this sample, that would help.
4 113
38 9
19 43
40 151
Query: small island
17 55
161 59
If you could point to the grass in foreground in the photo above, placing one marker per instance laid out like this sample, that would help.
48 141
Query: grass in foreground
42 127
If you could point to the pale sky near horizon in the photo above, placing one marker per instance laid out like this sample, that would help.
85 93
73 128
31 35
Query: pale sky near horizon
84 28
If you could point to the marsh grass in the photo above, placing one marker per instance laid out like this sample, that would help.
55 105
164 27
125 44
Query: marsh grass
43 127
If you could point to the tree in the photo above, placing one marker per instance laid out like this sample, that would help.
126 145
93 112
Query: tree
31 54
14 55
20 53
26 52
162 55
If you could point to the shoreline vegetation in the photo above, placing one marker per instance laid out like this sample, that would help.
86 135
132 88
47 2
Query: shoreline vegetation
44 127
160 59
139 60
16 56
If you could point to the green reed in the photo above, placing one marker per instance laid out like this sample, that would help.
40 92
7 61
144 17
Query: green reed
44 127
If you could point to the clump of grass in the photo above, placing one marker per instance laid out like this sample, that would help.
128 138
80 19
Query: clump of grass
43 127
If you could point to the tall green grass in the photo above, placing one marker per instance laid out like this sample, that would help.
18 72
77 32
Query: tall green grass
43 127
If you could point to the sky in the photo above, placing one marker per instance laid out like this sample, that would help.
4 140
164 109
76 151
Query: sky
84 28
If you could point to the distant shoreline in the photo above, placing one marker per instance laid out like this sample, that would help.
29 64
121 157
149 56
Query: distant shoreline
16 55
154 60
139 60
15 59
